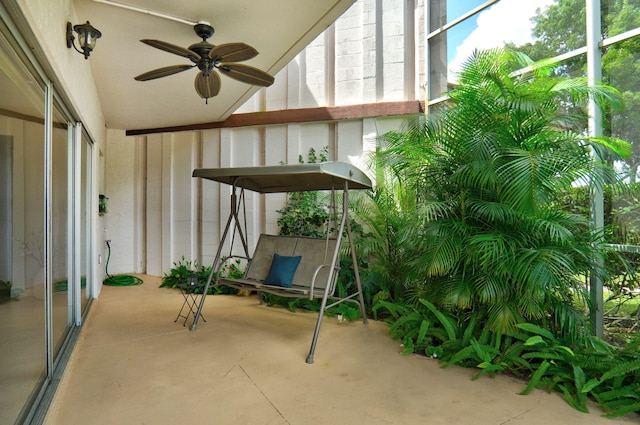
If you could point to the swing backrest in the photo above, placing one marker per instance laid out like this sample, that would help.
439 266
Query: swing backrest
263 255
314 252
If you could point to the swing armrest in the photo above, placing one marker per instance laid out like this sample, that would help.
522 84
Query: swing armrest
315 275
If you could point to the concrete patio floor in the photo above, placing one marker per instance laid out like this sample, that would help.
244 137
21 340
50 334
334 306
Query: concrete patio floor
246 365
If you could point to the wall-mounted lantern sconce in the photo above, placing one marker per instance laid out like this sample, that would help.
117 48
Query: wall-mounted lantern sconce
87 36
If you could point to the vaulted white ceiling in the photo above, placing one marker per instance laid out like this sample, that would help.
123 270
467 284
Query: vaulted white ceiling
278 29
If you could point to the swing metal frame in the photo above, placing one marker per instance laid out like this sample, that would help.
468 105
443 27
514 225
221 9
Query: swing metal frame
331 176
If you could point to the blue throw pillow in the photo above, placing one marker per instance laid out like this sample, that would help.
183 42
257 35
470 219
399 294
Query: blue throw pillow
282 270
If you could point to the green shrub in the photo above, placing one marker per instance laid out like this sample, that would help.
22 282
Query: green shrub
609 375
305 214
5 291
488 172
183 269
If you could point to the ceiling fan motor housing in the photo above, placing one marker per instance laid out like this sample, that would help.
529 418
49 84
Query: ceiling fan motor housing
202 48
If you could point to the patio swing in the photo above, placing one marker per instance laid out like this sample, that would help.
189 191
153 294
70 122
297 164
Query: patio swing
288 266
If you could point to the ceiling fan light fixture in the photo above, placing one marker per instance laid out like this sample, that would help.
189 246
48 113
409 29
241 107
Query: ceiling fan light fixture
87 36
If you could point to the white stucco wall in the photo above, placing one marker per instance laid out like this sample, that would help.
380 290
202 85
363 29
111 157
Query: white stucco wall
47 19
122 220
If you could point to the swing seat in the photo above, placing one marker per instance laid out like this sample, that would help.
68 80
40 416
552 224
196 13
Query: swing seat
310 278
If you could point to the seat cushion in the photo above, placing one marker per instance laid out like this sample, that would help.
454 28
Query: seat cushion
282 270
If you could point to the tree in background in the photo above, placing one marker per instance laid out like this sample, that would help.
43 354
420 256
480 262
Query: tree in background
561 28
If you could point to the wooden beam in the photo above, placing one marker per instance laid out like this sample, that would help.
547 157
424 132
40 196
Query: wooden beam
301 115
20 116
30 118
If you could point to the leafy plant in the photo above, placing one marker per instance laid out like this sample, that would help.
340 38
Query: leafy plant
598 370
487 173
610 375
305 214
493 261
234 270
183 269
348 311
387 213
5 291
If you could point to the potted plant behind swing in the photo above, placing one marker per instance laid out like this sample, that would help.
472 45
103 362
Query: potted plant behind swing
5 291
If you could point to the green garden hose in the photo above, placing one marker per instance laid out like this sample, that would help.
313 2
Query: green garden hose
119 280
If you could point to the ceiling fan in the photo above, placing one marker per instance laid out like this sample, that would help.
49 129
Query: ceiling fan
209 58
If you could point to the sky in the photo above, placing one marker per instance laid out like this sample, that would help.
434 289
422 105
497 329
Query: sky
505 21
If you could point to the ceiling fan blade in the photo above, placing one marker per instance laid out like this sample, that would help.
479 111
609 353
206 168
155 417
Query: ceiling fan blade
232 52
172 48
246 74
207 85
162 72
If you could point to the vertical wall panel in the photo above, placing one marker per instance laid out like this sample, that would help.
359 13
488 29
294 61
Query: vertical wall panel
394 49
179 190
276 149
349 70
369 51
420 52
140 205
154 244
313 81
276 95
349 141
313 135
211 200
166 201
120 219
294 82
246 151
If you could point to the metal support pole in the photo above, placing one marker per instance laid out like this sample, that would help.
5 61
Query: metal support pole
330 277
356 272
233 215
594 75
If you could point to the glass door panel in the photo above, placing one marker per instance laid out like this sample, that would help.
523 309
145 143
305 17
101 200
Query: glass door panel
22 286
61 301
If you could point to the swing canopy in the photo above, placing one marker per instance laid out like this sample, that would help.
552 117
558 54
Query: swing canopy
289 178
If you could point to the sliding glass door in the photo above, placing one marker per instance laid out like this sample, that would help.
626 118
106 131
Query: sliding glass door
45 228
